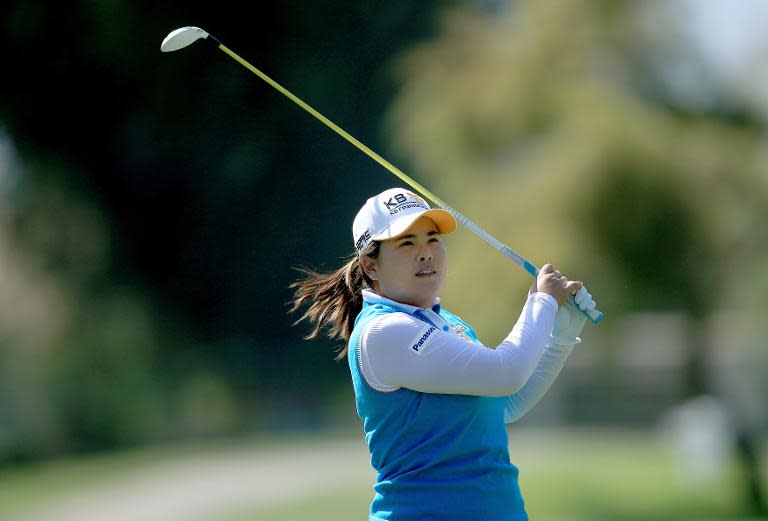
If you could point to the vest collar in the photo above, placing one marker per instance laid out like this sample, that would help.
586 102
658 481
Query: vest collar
374 298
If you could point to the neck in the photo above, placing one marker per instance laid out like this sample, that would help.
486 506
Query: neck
426 302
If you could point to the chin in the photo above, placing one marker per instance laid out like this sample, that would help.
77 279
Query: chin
432 286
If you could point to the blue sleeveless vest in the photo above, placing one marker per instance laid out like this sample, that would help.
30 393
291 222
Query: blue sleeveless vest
438 457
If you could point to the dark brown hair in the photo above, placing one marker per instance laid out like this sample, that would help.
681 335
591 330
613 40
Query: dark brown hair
334 298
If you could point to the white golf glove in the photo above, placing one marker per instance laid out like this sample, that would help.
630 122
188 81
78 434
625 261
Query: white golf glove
569 320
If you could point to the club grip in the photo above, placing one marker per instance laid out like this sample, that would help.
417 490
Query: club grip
594 315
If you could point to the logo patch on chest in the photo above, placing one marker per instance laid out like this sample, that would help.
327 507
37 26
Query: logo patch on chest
460 330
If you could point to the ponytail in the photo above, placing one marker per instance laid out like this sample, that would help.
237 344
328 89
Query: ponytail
334 299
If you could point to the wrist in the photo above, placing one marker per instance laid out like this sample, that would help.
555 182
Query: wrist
560 341
546 298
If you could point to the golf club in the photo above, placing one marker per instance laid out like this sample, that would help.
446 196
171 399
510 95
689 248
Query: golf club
184 36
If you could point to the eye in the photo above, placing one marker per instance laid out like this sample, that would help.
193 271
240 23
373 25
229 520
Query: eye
406 243
434 239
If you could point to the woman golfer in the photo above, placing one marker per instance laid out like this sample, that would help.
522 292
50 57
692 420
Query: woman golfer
433 400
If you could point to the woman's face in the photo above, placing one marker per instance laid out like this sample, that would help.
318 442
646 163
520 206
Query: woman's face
410 269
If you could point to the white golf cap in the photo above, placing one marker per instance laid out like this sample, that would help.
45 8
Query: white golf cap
391 213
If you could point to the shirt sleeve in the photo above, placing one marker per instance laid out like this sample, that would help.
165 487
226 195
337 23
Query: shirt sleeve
399 350
550 365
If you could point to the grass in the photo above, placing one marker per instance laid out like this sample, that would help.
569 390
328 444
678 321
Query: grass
565 476
338 504
42 483
618 477
610 476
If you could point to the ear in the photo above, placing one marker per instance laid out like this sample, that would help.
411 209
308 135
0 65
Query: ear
369 267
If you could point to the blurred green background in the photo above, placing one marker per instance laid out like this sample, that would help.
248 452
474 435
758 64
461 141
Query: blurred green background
153 207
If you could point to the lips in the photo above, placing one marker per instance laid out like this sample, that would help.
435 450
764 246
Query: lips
426 273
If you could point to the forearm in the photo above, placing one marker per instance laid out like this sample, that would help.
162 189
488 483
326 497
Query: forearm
548 369
569 322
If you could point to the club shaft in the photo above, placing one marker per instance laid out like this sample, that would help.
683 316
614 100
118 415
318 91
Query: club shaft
383 162
594 315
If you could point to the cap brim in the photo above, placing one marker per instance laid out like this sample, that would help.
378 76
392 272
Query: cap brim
444 221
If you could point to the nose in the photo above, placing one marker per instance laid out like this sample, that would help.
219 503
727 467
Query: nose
425 254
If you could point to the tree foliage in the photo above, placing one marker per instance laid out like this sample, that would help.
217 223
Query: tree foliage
550 124
159 204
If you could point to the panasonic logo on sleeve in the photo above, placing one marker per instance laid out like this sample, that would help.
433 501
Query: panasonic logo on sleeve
424 337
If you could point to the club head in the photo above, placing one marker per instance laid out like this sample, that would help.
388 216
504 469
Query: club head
182 37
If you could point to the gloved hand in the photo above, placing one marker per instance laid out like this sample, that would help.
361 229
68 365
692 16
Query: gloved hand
569 320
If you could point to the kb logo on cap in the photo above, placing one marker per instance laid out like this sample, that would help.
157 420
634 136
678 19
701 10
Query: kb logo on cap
394 203
398 200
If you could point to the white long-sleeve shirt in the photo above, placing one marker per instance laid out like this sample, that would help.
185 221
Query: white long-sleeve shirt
400 350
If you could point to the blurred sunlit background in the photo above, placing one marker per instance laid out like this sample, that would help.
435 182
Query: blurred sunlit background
153 208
